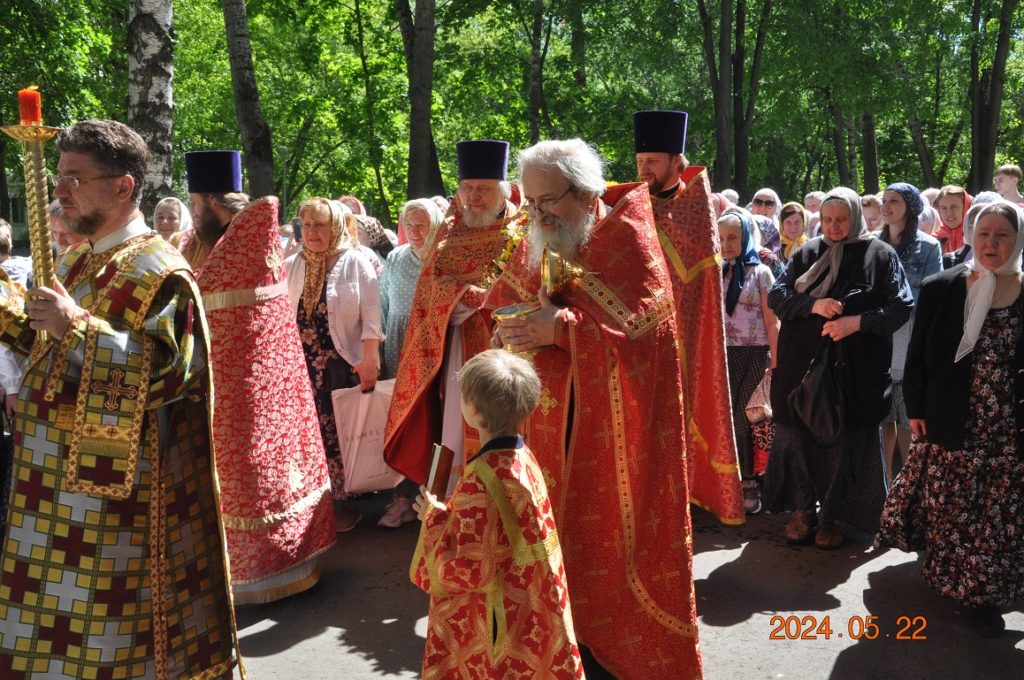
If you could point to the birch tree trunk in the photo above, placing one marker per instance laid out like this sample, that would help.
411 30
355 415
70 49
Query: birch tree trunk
257 145
150 96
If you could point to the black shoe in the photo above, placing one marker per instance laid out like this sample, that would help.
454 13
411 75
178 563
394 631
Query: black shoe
989 621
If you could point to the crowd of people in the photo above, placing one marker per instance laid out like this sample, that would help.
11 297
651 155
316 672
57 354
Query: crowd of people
598 357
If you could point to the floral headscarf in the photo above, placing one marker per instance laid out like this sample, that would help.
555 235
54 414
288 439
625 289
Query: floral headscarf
316 263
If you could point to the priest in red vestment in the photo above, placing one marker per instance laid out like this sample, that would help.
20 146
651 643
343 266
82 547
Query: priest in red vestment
446 325
608 429
681 198
275 490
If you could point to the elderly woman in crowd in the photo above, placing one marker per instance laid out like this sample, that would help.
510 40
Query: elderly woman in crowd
792 229
171 216
921 256
960 497
420 221
928 218
848 288
335 294
768 242
765 202
751 332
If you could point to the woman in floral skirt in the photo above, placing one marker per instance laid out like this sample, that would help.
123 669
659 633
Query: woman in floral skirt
960 496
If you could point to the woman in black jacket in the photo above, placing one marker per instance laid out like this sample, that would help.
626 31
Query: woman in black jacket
960 496
849 288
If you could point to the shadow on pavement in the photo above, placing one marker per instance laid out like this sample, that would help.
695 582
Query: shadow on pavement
953 648
769 576
364 596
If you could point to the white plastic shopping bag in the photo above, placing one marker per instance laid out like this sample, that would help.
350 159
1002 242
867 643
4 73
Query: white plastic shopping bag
361 419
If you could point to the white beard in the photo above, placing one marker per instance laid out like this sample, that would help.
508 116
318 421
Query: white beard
566 239
483 218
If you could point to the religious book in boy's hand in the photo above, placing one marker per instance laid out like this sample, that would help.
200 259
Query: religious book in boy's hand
440 471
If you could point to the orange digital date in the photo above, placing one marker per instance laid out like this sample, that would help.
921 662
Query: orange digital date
857 627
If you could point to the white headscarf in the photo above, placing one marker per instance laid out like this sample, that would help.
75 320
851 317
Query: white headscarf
184 216
979 294
828 264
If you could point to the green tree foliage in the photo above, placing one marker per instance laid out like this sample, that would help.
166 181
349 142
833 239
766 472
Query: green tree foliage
906 65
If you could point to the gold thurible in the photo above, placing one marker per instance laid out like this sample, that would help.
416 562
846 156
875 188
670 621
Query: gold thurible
32 138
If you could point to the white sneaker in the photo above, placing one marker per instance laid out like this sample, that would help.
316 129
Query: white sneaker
398 512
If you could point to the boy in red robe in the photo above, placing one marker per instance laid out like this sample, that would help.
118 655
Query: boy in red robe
490 558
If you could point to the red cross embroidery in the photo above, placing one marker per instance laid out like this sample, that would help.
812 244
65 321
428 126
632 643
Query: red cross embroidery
115 390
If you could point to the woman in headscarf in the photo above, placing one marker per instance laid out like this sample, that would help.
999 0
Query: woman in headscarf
961 254
849 288
171 216
952 203
768 243
960 497
420 221
921 256
792 229
765 202
751 333
335 294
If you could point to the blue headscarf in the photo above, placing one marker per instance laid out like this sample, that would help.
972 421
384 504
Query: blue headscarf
748 258
915 204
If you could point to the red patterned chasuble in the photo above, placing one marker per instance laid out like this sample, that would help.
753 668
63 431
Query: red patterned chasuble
275 490
493 568
114 562
608 435
689 239
458 270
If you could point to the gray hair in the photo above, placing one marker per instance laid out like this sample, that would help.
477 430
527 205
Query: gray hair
731 195
574 159
56 212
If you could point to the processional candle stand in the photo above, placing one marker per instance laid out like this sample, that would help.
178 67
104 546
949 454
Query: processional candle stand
33 135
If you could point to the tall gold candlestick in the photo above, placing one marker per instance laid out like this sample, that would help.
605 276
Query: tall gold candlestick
32 138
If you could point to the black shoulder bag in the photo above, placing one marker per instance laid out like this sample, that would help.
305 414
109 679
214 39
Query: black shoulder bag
819 401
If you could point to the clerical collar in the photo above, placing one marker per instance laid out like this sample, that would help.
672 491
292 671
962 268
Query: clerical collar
500 444
137 227
670 192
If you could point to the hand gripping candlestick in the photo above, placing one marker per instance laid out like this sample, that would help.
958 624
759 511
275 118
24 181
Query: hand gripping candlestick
33 134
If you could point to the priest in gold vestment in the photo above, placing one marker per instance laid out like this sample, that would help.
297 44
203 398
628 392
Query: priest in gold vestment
447 326
114 562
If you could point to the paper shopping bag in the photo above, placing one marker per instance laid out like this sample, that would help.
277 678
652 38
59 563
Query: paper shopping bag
361 419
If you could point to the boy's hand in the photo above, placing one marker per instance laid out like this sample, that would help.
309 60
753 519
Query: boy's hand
425 501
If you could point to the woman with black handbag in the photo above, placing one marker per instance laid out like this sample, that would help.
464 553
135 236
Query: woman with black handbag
840 299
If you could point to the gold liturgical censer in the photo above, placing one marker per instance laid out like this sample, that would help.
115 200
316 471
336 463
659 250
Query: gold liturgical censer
33 134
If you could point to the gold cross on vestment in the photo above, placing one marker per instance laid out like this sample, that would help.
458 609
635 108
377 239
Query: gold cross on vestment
114 390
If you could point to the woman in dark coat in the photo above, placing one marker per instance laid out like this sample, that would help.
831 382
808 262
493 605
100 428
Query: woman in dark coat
960 496
845 287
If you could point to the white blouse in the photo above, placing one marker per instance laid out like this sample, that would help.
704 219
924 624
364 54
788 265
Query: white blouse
353 301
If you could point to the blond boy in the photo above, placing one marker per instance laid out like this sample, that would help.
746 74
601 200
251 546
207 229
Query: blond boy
489 558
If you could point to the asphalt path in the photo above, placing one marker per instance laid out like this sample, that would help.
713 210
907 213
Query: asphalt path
365 619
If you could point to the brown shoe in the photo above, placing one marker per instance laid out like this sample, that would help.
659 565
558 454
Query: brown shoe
829 536
346 518
800 525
